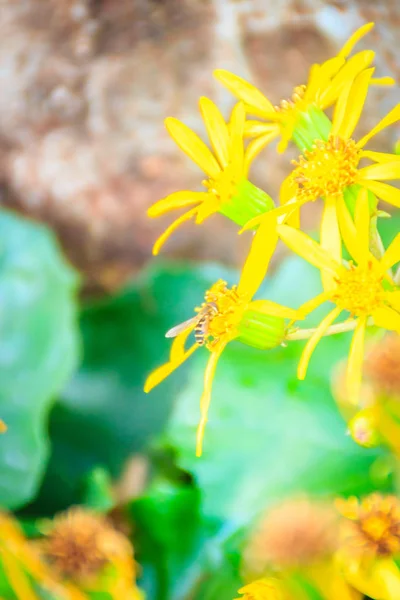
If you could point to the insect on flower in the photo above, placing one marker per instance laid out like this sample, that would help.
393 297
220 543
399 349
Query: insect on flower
228 313
200 322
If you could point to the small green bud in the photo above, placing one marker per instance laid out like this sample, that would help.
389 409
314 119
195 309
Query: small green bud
261 331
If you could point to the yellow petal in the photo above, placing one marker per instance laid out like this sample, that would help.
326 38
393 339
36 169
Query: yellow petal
178 345
379 157
206 396
362 221
192 145
314 340
393 298
17 579
217 130
353 67
355 362
347 228
391 117
305 247
256 145
288 190
236 128
355 103
339 114
387 318
383 81
386 170
175 201
164 236
308 307
275 310
207 209
392 254
244 90
385 192
257 262
158 375
330 240
257 128
356 37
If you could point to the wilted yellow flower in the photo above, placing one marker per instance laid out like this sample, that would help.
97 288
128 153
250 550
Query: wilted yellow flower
325 83
296 533
82 546
364 287
24 571
262 589
382 366
370 535
227 188
228 314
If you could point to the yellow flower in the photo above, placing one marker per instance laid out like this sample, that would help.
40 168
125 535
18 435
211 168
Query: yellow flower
370 541
364 287
329 169
227 188
325 83
227 314
262 589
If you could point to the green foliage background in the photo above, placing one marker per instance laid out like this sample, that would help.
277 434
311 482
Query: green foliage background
71 393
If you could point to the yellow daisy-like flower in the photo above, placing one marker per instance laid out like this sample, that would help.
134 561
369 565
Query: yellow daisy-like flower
227 188
262 589
370 543
227 314
364 287
325 83
329 169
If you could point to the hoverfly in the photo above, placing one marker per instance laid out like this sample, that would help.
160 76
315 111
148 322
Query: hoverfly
200 322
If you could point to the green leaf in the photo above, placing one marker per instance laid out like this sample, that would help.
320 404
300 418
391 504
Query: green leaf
98 494
269 435
103 416
169 534
38 349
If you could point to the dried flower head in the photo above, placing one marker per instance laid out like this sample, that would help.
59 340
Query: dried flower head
298 532
81 543
382 365
371 527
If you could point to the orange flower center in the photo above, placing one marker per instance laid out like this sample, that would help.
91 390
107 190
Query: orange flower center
327 169
219 315
376 527
359 289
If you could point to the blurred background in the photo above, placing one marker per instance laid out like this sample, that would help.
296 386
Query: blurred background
85 87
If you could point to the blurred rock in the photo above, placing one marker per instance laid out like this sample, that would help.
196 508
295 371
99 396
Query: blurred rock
86 85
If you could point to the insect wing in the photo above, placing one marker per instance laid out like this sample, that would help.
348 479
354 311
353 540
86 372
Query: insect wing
171 333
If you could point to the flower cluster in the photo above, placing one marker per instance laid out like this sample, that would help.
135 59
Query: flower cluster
80 556
358 274
312 549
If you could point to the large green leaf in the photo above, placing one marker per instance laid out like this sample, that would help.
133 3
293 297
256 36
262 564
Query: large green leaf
269 435
38 349
103 416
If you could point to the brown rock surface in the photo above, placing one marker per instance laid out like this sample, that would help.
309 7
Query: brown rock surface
86 84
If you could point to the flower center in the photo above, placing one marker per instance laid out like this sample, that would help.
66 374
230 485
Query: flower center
327 169
379 523
359 289
286 106
219 315
224 186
